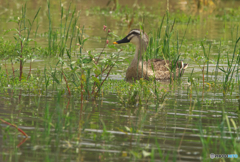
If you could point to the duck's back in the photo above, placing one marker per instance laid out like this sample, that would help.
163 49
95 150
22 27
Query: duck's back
156 68
161 68
157 64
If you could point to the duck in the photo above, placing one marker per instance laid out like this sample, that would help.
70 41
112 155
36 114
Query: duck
154 68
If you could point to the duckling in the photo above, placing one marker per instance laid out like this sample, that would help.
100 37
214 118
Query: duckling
157 68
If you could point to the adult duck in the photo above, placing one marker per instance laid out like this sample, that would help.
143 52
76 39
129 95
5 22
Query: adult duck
157 68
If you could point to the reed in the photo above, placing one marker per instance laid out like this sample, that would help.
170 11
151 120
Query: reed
160 45
22 39
58 40
230 70
206 61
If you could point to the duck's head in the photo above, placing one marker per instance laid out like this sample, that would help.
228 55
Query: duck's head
135 36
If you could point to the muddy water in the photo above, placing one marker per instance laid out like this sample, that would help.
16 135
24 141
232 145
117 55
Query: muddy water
61 129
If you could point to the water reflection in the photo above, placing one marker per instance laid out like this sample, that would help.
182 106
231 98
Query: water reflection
103 130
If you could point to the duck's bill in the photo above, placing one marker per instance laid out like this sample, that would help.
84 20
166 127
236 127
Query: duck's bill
124 40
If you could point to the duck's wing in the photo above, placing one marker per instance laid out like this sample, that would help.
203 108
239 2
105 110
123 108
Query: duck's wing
164 65
157 64
161 68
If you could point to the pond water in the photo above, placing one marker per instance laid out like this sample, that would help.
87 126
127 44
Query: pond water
60 128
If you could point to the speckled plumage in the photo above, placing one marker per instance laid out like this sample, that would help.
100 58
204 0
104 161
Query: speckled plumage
156 68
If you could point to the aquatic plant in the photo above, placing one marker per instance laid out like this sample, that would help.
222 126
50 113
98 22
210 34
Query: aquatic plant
231 69
72 106
137 93
199 60
22 38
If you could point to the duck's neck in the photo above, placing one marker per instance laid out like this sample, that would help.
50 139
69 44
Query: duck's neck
133 71
140 49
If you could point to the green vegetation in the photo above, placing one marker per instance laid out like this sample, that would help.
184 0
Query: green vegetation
73 107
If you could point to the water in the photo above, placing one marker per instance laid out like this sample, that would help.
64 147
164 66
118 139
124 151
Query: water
129 130
61 129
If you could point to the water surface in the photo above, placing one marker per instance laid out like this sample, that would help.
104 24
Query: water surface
61 129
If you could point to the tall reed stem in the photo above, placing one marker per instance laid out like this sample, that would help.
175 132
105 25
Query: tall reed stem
30 69
69 92
203 80
13 69
6 69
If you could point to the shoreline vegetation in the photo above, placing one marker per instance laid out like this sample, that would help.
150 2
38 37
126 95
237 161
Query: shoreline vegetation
80 82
